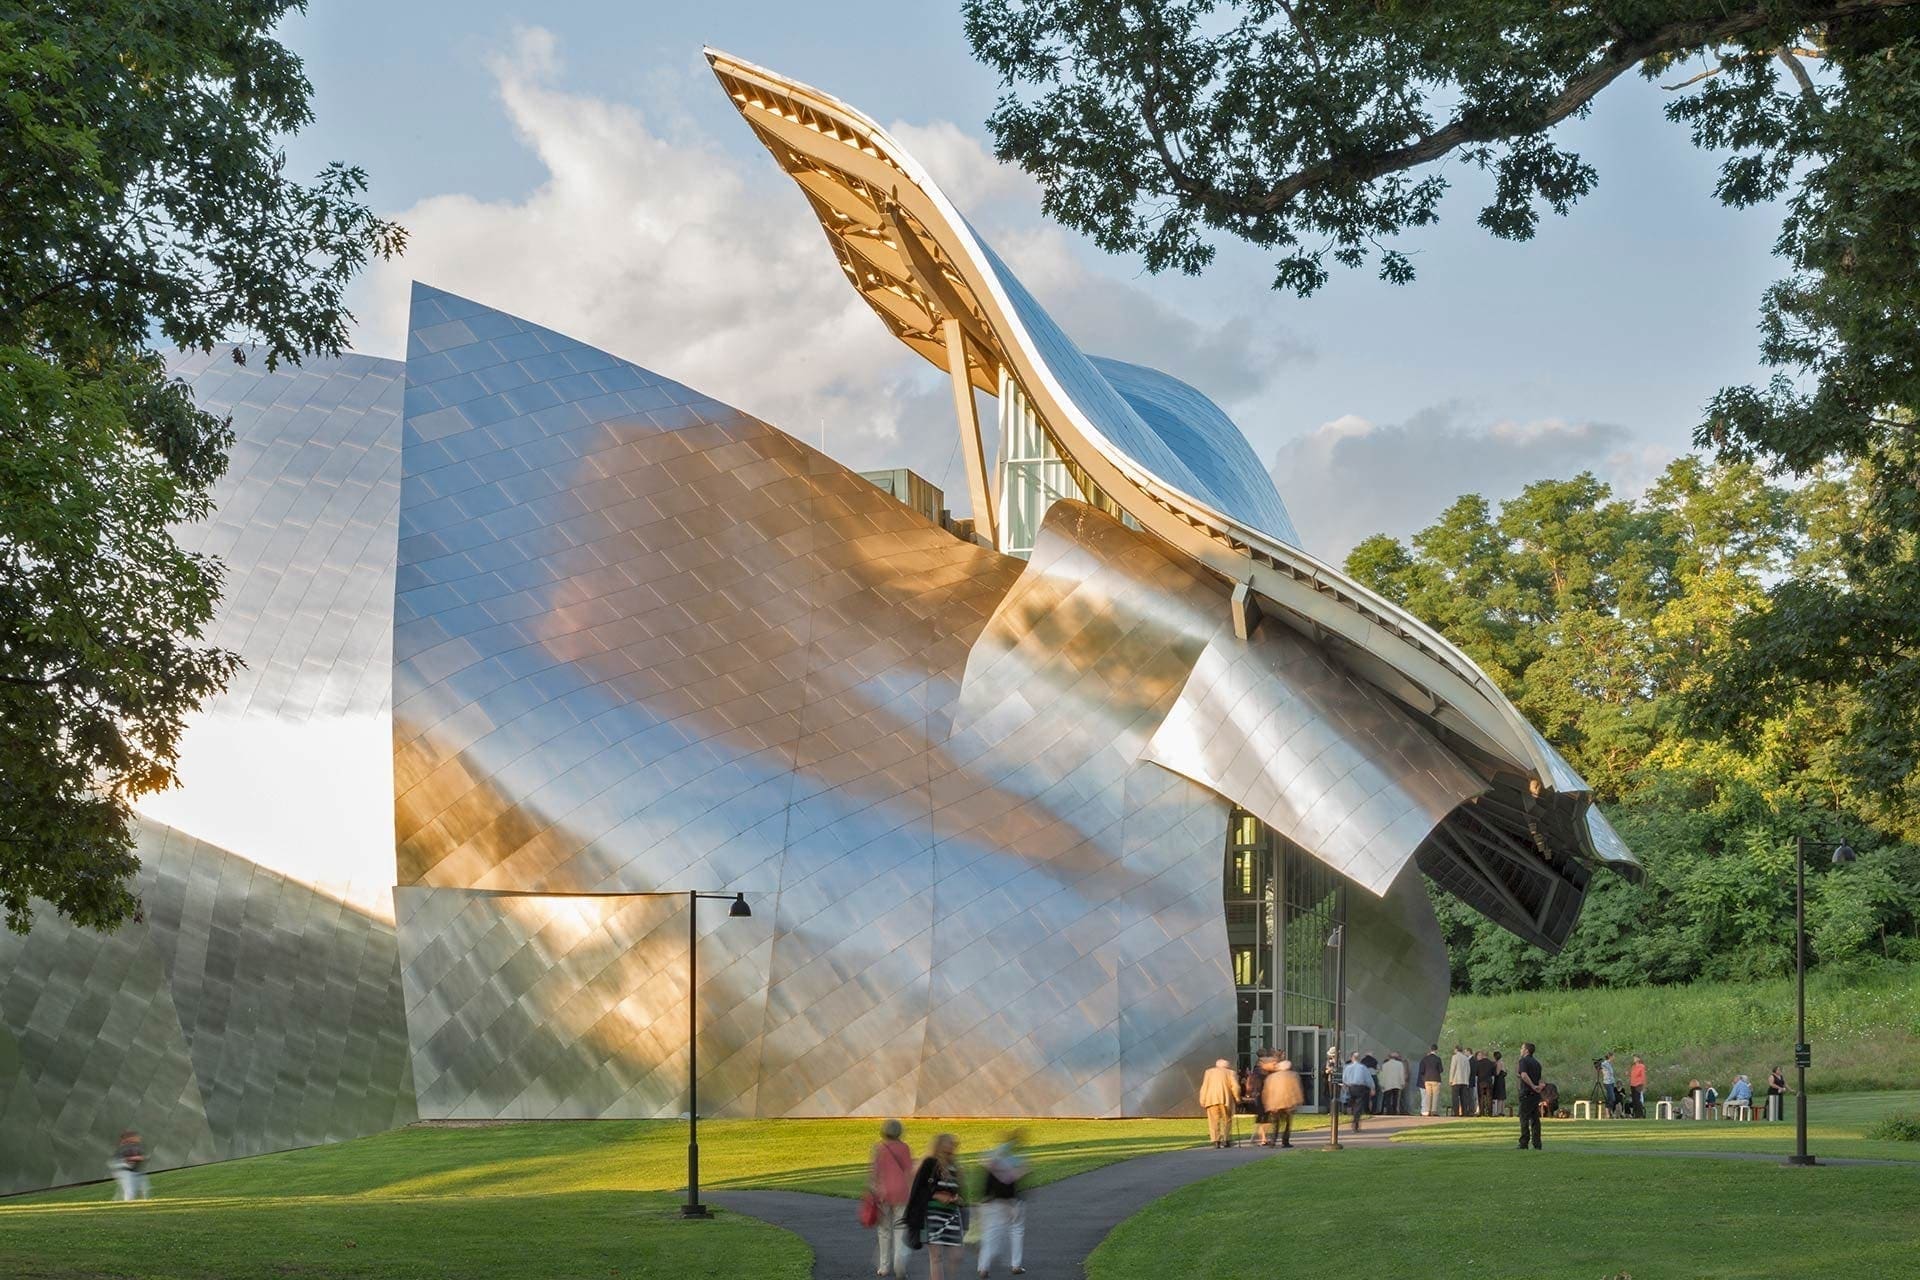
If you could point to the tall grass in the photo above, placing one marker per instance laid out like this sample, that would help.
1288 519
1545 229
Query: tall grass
1864 1028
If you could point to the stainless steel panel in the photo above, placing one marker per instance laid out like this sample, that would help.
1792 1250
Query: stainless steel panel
257 1005
1321 757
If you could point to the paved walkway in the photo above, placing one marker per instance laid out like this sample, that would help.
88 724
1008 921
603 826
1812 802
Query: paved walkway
1065 1219
1068 1218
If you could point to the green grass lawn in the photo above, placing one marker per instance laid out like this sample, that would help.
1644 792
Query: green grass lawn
1431 1213
1836 1126
582 1199
1864 1028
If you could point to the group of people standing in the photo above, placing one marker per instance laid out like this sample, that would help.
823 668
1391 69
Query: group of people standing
926 1206
1477 1079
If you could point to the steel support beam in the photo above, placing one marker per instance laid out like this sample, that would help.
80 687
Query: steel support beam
985 528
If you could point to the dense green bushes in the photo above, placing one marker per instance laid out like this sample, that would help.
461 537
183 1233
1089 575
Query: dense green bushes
1606 622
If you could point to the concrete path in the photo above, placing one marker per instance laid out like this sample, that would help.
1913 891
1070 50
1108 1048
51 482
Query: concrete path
1065 1219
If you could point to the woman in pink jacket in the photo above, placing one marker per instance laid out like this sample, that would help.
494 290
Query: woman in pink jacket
890 1180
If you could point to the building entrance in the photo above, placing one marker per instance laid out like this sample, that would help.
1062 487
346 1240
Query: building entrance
1282 904
1307 1049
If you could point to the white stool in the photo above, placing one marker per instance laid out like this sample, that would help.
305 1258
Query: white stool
1583 1110
1663 1109
1737 1111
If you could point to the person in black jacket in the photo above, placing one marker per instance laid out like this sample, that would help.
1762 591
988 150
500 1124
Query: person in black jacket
936 1208
1483 1083
1528 1072
1432 1072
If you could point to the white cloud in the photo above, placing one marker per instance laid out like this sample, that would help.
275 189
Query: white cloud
1350 478
667 251
659 244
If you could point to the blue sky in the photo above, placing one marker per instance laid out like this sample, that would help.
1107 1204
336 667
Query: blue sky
575 163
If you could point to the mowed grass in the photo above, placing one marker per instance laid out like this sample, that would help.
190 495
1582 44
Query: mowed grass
1432 1213
1836 1126
1864 1029
559 1199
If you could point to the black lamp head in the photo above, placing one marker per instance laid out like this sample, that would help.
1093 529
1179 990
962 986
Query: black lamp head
1842 854
739 910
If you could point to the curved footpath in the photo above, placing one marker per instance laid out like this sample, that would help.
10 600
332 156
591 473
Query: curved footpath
1068 1218
1065 1219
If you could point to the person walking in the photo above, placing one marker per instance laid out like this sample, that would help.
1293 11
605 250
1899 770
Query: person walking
1280 1093
1252 1091
1372 1064
1637 1087
1219 1094
1393 1082
1460 1076
1528 1070
129 1166
936 1208
890 1183
1430 1073
1610 1083
1003 1214
1359 1083
1499 1085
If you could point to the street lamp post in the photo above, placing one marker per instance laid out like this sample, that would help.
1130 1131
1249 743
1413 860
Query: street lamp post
1802 1052
1337 940
739 910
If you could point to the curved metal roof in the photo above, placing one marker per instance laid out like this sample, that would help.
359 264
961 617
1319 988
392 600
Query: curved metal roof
1141 443
1160 423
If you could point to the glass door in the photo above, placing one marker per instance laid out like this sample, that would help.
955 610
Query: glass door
1307 1049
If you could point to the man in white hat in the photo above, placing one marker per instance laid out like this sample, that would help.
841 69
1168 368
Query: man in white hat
1219 1094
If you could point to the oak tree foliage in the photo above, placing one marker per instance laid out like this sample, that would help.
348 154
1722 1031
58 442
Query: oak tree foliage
144 202
1316 129
1601 617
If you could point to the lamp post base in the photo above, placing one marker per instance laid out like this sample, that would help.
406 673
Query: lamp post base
695 1211
1801 1160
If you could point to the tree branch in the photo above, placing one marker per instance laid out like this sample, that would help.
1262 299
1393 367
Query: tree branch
1619 57
1800 74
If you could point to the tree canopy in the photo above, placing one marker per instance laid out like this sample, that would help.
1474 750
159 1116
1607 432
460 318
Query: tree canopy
1601 617
143 200
1312 128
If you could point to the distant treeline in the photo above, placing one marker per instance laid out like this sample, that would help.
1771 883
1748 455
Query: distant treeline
1607 622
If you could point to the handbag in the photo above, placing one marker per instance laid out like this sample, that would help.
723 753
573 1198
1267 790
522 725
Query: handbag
869 1210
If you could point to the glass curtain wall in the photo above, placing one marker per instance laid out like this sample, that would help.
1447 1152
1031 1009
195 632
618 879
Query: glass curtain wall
1282 905
1250 930
1032 474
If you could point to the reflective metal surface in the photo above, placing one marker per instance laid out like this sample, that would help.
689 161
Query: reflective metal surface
1145 447
257 1004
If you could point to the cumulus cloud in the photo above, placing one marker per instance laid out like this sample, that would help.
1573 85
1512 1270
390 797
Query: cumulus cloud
702 261
1350 478
666 250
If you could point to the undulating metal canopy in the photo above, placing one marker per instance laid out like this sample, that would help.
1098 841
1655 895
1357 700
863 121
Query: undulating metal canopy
1146 447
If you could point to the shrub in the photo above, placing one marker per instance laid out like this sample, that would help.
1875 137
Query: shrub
1901 1126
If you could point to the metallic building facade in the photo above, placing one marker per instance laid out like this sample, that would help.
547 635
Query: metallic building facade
535 634
257 1003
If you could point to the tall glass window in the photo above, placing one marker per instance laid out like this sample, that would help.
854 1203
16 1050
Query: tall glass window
1314 901
1032 474
1282 905
1249 895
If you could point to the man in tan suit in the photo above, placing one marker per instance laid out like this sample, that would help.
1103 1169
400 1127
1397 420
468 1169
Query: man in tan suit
1219 1094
